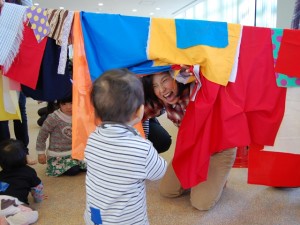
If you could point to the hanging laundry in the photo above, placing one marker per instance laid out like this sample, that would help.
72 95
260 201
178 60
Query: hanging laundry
289 53
11 33
8 96
222 117
282 80
83 122
65 34
50 85
29 57
190 33
56 18
116 41
38 22
216 63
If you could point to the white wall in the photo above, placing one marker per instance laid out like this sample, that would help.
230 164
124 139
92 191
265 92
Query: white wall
285 10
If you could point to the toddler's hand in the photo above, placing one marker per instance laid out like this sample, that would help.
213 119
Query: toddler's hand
42 158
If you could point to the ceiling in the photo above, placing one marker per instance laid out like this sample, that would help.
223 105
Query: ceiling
147 8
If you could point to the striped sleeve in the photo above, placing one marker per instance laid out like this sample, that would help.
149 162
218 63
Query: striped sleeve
155 165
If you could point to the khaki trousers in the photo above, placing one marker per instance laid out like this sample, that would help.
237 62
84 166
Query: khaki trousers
206 194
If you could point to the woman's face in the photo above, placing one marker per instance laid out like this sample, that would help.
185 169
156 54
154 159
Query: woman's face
165 88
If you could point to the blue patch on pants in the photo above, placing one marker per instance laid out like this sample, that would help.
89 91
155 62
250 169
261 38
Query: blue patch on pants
3 186
96 216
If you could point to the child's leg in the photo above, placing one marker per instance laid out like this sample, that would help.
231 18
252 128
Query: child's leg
170 185
73 171
206 194
23 218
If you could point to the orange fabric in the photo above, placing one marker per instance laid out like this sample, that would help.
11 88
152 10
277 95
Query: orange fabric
83 113
140 128
83 119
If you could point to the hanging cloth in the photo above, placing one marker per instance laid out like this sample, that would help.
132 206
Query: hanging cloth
289 54
282 80
116 41
38 22
26 66
56 19
50 85
216 63
190 33
83 119
83 122
11 33
64 43
222 117
12 98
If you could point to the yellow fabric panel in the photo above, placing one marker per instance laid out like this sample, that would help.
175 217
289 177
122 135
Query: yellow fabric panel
215 63
14 98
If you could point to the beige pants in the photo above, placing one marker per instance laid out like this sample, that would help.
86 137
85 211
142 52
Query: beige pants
206 194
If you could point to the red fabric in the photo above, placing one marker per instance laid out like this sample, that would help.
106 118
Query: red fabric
249 110
241 159
275 169
26 66
289 53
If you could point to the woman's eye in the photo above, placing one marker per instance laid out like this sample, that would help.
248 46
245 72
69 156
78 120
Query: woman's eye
165 80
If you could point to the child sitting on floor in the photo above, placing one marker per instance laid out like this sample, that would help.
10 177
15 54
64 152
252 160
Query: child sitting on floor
58 125
17 180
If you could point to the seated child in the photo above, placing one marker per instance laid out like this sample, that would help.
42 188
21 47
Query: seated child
17 180
58 126
119 160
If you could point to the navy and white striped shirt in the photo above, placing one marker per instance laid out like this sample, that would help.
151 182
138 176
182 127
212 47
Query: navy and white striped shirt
119 162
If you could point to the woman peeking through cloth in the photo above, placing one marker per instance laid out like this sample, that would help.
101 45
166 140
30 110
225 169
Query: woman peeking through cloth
172 91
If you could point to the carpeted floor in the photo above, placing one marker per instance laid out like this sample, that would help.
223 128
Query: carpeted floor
240 204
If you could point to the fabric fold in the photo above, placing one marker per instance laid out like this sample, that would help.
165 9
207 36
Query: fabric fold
11 33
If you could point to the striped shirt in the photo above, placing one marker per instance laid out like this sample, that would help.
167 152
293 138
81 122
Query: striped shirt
118 163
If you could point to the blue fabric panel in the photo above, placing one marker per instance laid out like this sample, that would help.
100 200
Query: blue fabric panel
115 41
190 33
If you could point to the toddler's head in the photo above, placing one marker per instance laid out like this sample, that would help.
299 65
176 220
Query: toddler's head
65 105
12 154
118 96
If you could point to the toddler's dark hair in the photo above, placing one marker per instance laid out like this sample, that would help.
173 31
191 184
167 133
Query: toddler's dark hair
12 154
67 99
116 95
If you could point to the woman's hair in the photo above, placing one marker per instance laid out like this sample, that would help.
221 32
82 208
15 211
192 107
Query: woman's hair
12 154
116 95
150 97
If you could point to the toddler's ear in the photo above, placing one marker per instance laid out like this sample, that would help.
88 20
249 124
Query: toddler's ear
140 112
137 116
